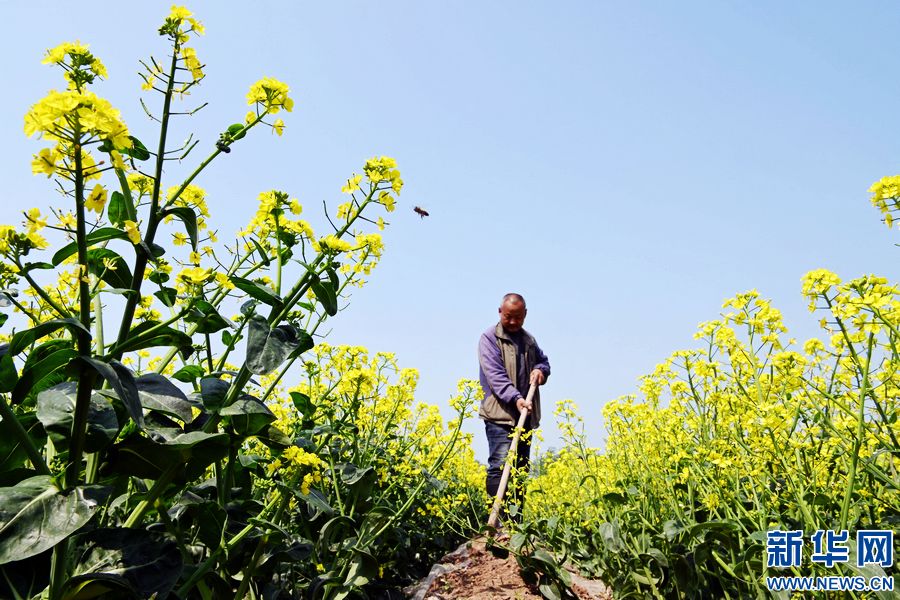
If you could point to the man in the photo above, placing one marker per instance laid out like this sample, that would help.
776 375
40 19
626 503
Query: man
509 362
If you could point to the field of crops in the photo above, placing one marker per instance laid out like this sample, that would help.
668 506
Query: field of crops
173 425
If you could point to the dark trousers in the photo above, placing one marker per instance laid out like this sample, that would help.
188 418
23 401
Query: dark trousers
499 441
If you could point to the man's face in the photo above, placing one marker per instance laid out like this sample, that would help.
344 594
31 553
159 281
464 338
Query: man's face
512 315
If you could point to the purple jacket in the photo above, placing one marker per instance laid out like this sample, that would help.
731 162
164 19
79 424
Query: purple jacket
497 367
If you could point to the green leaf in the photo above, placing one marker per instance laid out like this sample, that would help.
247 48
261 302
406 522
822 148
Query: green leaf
23 339
303 404
12 454
35 516
41 375
333 278
42 351
292 551
685 574
117 211
317 504
8 373
118 277
699 530
95 237
236 128
153 250
351 474
160 428
517 540
550 590
268 348
207 318
610 537
98 586
274 438
654 554
248 415
120 379
211 521
337 528
167 296
359 481
149 334
188 217
363 568
326 295
258 291
213 391
158 277
147 562
31 266
263 255
56 409
139 456
189 373
304 342
158 393
137 150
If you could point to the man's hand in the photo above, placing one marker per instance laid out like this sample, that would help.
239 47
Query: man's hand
536 377
523 404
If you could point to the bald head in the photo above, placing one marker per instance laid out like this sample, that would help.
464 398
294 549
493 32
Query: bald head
512 313
513 298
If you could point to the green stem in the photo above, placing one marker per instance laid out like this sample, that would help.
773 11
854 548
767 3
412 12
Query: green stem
126 192
83 337
158 488
58 568
116 353
92 467
25 311
221 362
860 433
143 257
278 257
93 459
229 473
59 563
215 301
261 545
98 323
43 294
209 358
210 562
205 163
435 467
276 316
221 484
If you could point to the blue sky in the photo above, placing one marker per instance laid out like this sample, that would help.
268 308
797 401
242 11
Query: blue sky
626 166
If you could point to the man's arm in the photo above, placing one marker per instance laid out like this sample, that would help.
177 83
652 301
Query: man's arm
492 365
542 362
541 370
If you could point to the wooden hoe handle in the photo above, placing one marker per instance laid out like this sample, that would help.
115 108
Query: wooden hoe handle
504 478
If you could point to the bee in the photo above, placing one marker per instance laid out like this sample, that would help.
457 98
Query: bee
421 212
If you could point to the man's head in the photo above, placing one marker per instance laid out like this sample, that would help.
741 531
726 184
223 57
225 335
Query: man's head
512 313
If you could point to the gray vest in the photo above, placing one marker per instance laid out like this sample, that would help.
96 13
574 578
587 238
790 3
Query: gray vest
493 410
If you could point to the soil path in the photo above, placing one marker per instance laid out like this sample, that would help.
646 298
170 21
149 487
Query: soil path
471 572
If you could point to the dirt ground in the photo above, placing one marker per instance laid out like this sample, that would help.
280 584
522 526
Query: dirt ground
471 572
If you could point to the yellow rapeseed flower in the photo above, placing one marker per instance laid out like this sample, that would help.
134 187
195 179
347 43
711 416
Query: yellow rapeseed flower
134 234
96 200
